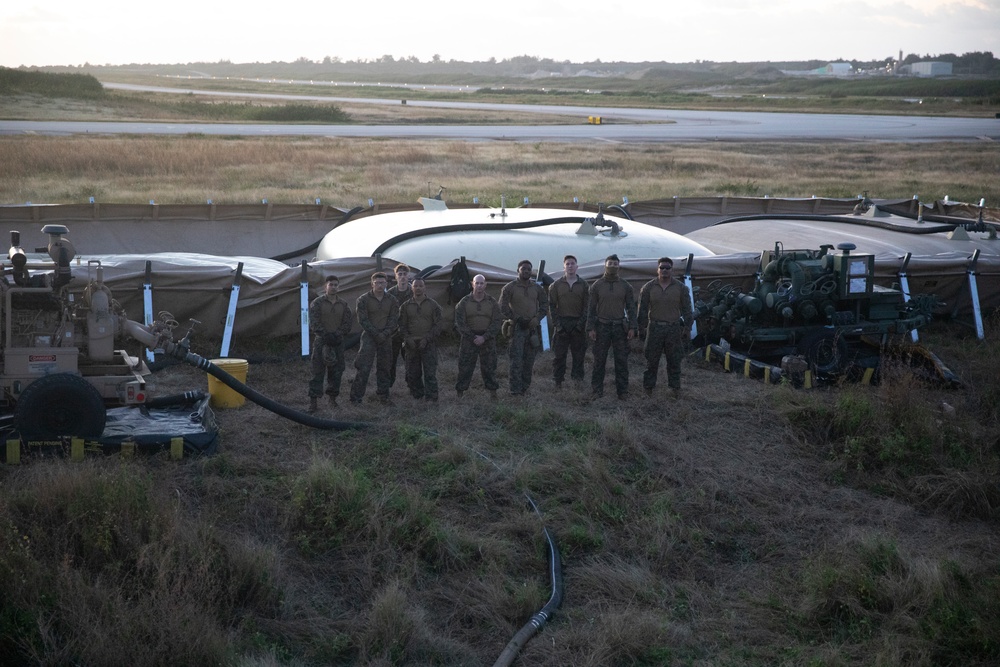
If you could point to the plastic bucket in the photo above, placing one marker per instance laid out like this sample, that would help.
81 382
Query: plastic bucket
222 396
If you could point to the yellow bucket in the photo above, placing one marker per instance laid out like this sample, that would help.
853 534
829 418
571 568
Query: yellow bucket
221 396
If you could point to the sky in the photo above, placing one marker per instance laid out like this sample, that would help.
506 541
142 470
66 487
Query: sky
114 32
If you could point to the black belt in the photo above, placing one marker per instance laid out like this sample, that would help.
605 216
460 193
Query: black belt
601 320
665 323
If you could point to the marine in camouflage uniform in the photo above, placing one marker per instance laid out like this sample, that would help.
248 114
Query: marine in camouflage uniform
611 324
378 315
568 300
477 319
419 325
523 302
665 312
401 292
330 319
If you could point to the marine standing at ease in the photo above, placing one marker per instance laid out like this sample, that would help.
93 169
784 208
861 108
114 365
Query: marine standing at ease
477 319
420 325
611 324
378 315
665 312
400 292
330 319
523 303
568 300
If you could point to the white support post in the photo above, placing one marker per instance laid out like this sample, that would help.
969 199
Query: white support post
690 285
234 297
904 283
545 320
304 308
977 310
147 305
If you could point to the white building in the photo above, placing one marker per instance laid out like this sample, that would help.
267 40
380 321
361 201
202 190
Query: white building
931 68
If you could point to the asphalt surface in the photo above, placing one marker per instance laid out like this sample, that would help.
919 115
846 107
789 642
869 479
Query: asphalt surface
619 125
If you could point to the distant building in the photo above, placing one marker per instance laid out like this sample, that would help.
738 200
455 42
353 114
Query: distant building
931 68
837 69
830 69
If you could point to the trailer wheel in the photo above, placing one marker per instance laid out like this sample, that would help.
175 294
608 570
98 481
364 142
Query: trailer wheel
60 404
825 351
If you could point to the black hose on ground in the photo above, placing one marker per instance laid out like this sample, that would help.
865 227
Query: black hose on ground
536 622
181 352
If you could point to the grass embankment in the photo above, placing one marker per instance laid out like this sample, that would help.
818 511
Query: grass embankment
81 96
347 172
742 525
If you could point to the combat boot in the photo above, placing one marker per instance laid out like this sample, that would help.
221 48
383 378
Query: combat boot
333 400
313 404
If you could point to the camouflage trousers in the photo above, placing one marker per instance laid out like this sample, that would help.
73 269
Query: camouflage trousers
371 353
569 339
486 354
522 359
664 340
421 371
611 336
332 373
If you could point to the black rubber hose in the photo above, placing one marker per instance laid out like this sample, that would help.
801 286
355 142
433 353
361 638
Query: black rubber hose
621 211
312 246
306 419
865 222
176 399
536 622
475 227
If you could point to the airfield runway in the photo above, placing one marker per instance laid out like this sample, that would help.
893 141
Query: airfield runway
622 125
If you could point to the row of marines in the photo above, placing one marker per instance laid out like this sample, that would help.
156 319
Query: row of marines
404 321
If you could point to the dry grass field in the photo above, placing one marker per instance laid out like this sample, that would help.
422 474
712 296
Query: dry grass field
347 172
742 524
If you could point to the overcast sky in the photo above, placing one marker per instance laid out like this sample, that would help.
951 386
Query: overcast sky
74 32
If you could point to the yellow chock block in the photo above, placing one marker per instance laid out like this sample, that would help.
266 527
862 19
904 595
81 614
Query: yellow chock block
13 452
867 377
76 449
176 449
746 368
726 364
808 382
128 450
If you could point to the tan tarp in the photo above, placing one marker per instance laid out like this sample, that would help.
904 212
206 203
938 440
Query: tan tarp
199 287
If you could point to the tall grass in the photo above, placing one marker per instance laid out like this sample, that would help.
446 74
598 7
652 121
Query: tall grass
347 172
705 531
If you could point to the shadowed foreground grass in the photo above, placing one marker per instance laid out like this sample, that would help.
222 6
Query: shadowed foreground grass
740 525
